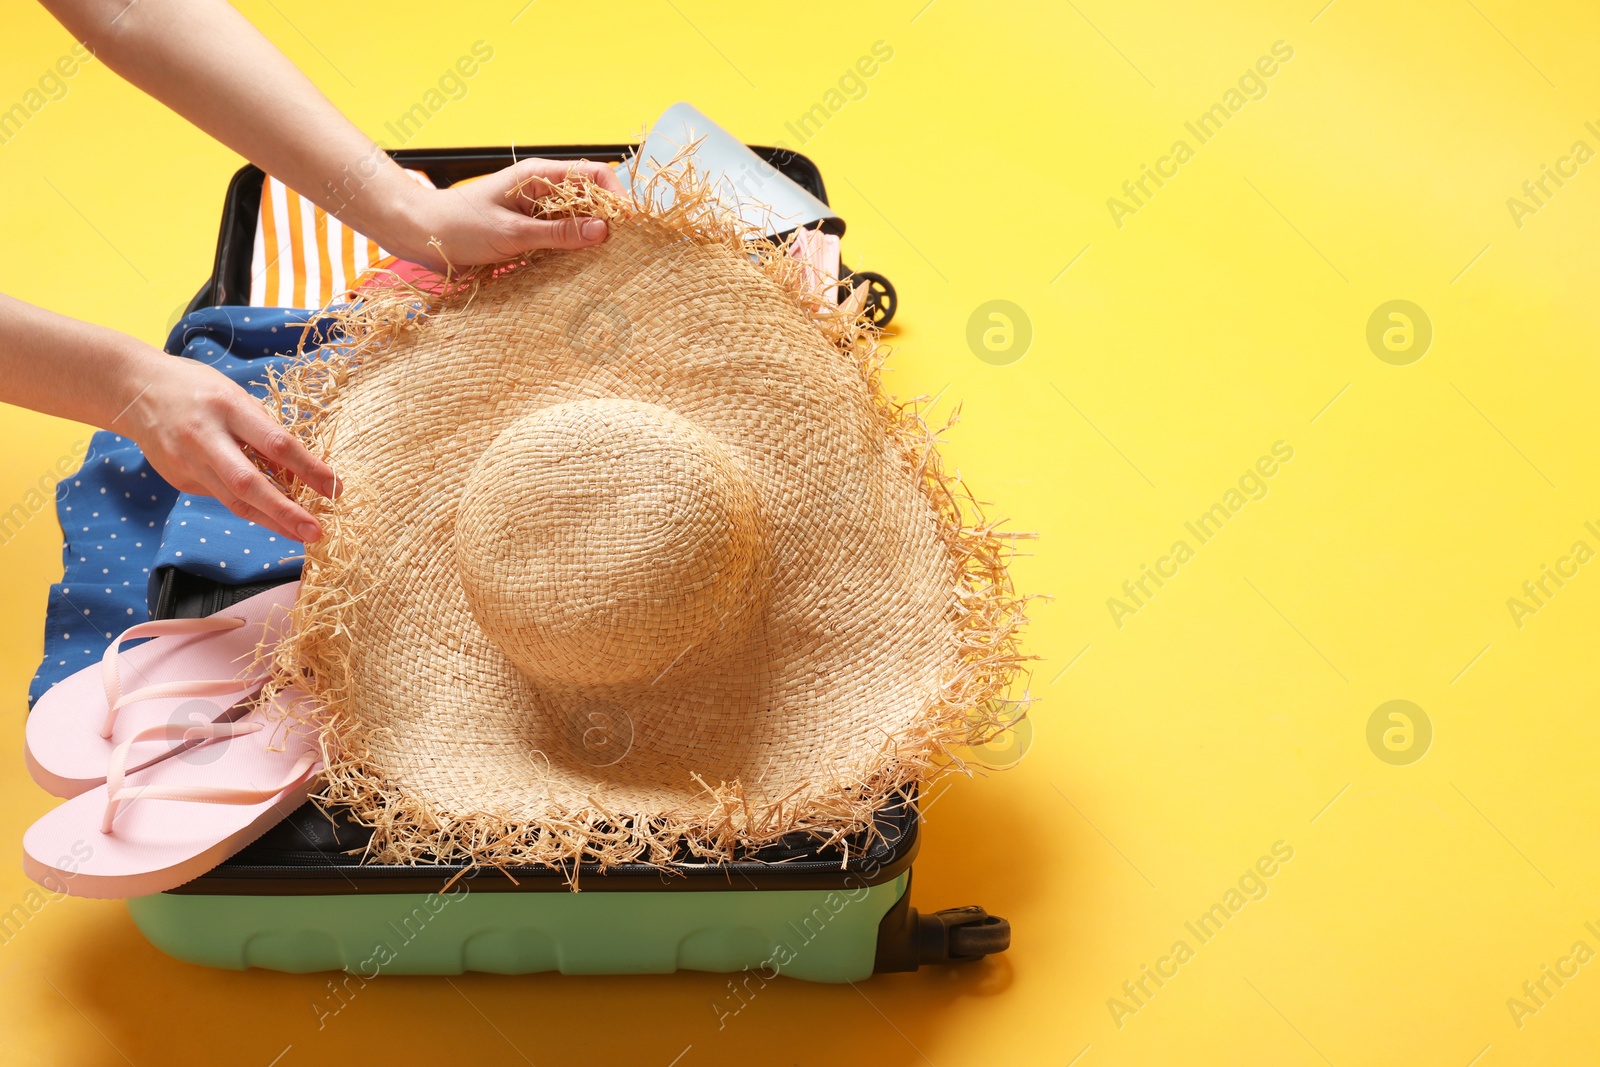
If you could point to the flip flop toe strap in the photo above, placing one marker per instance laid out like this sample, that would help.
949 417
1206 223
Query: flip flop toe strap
111 673
117 795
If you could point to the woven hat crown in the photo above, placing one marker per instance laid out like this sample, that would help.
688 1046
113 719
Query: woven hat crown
606 541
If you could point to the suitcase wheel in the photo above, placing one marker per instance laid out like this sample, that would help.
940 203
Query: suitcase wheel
959 935
882 302
974 940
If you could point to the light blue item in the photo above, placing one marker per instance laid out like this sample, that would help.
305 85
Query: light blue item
750 186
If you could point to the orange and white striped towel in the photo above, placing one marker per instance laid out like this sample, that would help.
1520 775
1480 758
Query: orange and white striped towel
304 257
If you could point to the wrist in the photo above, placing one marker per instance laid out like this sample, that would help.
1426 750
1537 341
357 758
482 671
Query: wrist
134 367
389 208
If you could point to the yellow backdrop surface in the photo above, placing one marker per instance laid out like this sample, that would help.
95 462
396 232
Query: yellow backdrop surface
1310 168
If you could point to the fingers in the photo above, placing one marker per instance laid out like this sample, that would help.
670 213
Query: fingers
493 219
243 489
599 173
246 492
279 447
217 491
527 180
560 233
194 433
250 514
537 177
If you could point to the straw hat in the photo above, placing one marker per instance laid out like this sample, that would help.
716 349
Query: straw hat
634 557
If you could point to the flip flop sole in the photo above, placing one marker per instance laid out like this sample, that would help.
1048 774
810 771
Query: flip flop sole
156 844
65 752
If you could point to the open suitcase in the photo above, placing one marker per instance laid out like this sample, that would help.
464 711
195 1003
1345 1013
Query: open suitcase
297 900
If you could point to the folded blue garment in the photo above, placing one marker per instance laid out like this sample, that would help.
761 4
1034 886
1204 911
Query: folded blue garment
122 522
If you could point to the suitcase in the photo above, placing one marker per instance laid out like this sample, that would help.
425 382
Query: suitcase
298 899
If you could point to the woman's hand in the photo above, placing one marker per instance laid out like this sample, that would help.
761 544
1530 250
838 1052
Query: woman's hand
193 423
488 220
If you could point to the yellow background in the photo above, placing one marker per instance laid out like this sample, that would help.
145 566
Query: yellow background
1224 316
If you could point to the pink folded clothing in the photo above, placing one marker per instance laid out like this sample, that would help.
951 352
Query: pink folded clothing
818 254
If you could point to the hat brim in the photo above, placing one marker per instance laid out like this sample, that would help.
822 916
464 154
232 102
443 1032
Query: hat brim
890 625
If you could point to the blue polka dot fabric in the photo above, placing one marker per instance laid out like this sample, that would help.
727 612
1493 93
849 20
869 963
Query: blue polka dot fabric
121 522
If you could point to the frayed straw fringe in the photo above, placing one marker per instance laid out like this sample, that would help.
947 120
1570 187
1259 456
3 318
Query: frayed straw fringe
972 706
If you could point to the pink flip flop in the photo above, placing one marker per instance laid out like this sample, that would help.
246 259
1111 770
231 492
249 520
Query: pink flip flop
152 830
76 725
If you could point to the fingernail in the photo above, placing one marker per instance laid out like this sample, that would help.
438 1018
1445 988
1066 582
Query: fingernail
309 531
593 230
333 487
